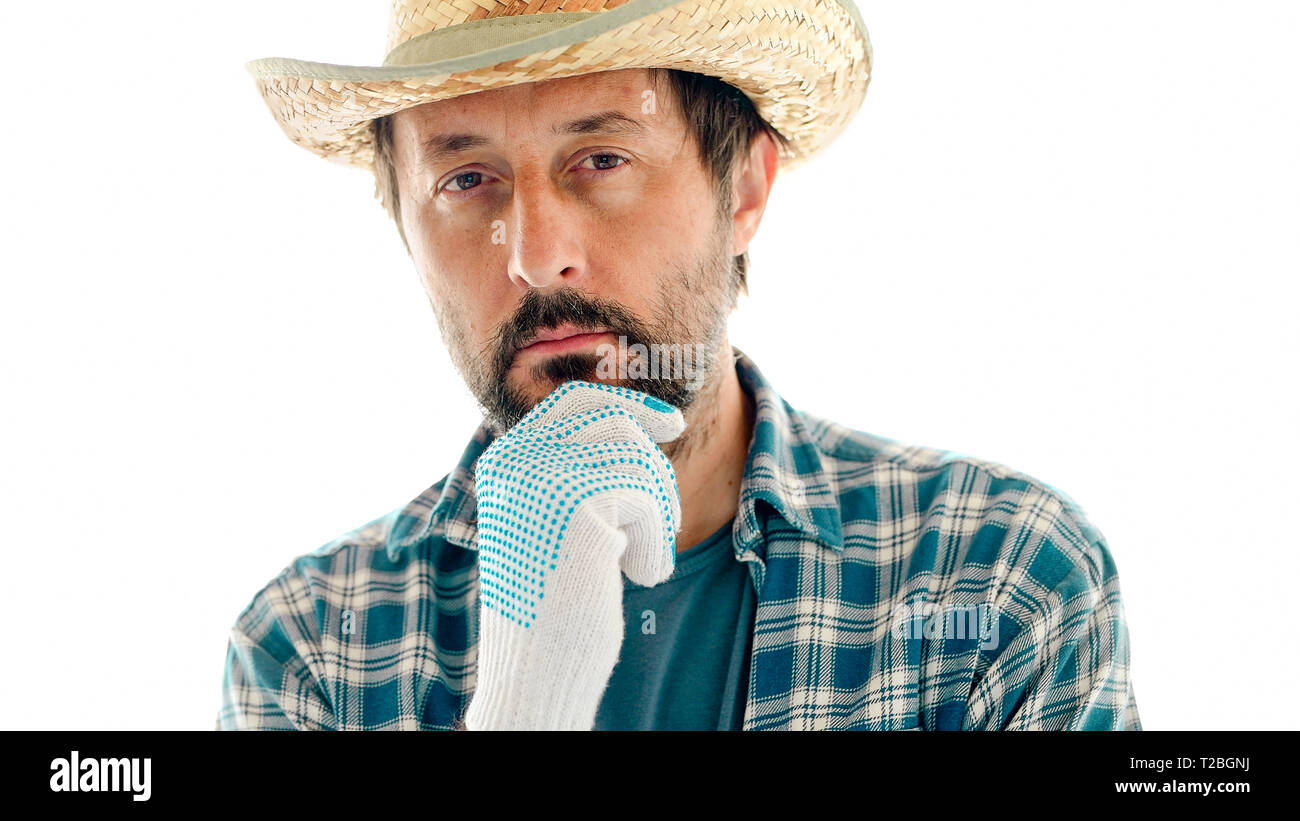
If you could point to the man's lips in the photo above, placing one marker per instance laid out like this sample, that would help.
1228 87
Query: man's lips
563 338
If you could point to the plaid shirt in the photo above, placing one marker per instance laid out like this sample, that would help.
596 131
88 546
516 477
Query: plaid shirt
865 554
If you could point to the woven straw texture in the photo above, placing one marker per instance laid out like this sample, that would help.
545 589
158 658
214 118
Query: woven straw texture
806 66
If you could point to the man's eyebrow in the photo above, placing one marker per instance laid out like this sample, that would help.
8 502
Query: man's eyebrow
440 147
606 122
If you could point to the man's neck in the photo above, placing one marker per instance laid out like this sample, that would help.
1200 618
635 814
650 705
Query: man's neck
709 458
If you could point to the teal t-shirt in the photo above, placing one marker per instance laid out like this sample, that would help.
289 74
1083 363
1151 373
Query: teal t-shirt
684 664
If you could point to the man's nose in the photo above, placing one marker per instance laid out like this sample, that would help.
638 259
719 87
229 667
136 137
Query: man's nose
544 236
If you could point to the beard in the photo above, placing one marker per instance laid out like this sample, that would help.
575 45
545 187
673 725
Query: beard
690 313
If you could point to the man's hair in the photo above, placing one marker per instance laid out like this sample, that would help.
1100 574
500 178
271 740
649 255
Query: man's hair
721 118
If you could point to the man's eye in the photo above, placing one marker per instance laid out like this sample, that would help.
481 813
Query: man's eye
461 182
604 162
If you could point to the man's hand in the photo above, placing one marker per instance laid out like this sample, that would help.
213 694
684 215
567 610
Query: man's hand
572 495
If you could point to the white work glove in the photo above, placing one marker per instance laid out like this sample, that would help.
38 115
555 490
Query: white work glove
573 494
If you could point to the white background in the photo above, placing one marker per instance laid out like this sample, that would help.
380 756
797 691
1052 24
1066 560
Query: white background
1060 235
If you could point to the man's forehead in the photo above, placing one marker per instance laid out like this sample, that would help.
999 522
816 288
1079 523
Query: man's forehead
546 101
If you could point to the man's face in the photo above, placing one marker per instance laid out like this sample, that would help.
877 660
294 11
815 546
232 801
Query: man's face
578 204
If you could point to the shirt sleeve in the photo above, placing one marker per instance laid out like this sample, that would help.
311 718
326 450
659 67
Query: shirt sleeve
1065 665
272 679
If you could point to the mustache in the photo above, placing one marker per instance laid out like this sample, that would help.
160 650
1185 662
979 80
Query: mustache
538 311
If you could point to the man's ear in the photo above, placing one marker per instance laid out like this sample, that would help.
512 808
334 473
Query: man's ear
752 182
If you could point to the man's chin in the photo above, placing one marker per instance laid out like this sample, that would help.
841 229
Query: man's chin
537 379
525 386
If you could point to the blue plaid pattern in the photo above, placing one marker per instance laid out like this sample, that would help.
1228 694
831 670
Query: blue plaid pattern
864 552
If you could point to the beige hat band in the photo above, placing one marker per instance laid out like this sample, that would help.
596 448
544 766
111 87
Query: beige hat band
477 36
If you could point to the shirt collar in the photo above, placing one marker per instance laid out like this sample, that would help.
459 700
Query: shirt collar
783 471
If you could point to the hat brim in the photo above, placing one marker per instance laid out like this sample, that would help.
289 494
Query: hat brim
804 64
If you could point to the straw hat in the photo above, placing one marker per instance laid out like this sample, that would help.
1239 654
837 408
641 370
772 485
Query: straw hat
804 63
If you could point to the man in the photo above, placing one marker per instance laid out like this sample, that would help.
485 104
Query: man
643 533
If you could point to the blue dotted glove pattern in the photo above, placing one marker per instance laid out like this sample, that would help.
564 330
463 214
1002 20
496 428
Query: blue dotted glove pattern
583 439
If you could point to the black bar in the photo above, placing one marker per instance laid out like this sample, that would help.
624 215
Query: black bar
245 771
